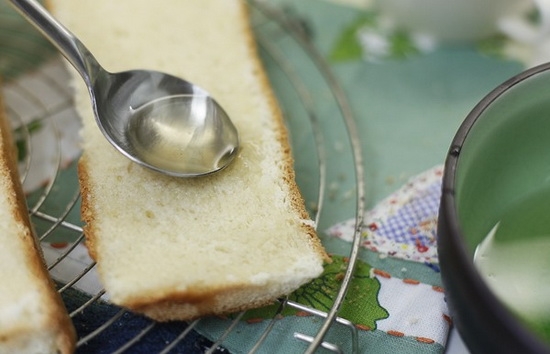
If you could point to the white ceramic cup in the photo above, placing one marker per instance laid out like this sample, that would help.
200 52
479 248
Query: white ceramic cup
455 20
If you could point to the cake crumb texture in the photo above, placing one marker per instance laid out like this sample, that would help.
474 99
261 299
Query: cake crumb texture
33 318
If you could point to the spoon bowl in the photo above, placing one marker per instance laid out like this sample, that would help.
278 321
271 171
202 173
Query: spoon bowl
164 123
155 119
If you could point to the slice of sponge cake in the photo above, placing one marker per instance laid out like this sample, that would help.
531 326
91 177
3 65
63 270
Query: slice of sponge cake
32 316
183 248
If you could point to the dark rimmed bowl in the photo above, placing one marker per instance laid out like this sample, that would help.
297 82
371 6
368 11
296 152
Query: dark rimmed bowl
500 154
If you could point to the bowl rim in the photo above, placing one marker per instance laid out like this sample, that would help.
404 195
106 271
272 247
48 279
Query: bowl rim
452 249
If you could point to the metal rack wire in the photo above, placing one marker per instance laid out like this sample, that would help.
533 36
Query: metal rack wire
43 98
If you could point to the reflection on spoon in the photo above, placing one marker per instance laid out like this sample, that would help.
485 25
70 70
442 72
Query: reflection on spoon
196 145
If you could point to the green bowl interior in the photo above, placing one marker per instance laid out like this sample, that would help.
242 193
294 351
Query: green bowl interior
505 159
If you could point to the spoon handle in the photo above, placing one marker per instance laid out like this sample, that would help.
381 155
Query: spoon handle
66 42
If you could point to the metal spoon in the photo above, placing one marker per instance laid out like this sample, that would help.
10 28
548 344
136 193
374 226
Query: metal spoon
155 119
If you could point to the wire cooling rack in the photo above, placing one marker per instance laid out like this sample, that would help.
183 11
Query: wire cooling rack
46 126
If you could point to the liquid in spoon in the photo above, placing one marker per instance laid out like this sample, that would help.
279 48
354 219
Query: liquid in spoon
197 144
